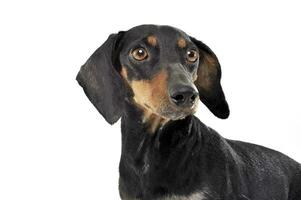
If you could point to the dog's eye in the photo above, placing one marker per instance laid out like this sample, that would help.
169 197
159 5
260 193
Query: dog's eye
192 56
139 54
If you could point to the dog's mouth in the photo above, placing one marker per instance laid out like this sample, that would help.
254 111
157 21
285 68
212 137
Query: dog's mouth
172 112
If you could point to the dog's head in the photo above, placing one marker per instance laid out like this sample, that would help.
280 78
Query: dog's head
165 71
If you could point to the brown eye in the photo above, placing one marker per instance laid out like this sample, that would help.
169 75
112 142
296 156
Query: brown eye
139 54
192 56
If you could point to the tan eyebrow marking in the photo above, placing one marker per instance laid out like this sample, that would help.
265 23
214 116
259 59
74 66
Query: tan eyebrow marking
182 43
152 40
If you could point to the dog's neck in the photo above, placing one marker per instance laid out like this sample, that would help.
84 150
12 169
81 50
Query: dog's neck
147 157
139 134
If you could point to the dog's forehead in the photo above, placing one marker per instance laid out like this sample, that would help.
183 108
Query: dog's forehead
161 33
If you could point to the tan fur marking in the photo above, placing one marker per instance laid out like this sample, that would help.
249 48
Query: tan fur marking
152 40
182 43
153 93
154 121
124 73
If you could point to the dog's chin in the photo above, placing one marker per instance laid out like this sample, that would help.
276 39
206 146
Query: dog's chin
172 113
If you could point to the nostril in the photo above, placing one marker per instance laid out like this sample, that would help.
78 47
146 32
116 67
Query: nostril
178 98
193 97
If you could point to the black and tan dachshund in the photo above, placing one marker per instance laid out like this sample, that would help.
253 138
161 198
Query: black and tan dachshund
152 77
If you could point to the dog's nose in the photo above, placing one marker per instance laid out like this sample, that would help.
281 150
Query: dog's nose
184 96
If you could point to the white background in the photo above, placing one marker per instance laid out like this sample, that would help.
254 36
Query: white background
53 142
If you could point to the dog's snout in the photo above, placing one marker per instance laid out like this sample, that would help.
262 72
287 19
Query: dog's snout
184 96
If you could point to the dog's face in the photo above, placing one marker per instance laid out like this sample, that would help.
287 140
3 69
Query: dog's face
160 66
165 70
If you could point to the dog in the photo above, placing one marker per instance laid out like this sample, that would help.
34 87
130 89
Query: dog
152 77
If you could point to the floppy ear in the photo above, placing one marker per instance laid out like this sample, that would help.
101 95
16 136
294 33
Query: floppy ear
208 81
101 81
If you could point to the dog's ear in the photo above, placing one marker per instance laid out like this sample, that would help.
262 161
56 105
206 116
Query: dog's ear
101 81
208 81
